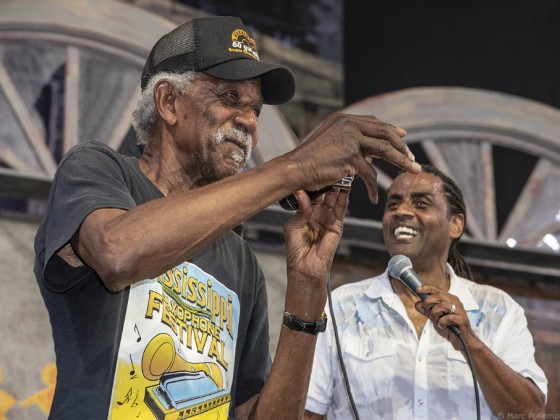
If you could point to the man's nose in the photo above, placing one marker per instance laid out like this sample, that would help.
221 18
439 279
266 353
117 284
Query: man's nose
248 120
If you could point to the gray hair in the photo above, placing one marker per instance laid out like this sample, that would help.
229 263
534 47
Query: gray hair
145 116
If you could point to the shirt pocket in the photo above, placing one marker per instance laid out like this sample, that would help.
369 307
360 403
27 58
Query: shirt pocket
371 368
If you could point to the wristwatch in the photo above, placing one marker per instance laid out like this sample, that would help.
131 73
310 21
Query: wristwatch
310 327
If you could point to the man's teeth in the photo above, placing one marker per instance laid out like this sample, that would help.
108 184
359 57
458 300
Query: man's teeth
405 232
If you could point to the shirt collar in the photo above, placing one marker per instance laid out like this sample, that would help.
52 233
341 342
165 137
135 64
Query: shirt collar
385 292
457 287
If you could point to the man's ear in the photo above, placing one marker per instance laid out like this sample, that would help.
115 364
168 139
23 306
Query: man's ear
457 225
164 96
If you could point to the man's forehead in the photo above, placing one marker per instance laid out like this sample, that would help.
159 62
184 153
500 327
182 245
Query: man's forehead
423 183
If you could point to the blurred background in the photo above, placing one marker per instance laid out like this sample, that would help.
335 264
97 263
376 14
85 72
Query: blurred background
475 84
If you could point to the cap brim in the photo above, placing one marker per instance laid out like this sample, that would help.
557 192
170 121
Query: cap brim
278 84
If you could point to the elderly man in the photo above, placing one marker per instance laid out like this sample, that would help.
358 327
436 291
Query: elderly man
158 309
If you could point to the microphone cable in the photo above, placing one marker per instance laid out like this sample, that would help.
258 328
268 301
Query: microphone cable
457 332
339 352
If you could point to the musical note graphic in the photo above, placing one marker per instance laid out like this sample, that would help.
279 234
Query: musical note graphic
138 332
134 403
127 397
133 371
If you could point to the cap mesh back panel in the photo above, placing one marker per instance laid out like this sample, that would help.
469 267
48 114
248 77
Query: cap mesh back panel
177 42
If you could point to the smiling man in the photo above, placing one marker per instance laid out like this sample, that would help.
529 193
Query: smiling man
158 308
400 366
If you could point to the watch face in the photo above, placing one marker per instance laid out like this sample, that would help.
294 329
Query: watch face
321 325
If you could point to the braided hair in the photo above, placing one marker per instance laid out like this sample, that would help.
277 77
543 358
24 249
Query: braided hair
456 205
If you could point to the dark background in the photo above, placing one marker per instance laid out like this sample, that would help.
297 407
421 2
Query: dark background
508 46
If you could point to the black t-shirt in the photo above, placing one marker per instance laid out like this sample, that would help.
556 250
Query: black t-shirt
192 341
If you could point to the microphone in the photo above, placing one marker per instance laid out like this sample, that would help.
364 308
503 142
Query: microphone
290 202
400 267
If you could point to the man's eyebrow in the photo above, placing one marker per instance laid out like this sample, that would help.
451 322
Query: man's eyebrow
394 196
418 194
422 194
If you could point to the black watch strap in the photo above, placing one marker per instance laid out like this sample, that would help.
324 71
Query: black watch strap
310 327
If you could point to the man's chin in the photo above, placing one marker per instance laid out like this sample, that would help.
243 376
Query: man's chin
400 248
234 166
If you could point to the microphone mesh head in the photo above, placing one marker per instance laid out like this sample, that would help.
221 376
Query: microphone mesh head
397 264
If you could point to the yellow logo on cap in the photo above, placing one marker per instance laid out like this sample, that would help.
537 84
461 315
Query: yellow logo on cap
241 42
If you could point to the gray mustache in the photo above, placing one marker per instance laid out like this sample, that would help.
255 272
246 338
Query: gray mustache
239 135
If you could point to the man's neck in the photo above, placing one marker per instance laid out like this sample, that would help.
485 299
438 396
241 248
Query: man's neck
163 168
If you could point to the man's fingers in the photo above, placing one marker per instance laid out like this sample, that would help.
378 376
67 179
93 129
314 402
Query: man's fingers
369 176
349 143
386 141
341 204
304 202
385 150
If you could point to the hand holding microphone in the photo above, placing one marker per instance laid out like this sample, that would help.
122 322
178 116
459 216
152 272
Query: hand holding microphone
400 267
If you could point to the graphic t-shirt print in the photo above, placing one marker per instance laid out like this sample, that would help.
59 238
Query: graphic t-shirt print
177 352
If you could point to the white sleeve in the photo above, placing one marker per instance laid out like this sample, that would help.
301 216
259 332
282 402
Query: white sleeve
513 343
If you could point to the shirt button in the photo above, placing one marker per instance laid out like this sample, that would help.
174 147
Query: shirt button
420 401
420 358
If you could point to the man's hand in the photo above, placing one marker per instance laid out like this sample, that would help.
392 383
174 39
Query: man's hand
346 145
445 309
313 234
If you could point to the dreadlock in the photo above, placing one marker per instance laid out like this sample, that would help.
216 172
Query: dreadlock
456 205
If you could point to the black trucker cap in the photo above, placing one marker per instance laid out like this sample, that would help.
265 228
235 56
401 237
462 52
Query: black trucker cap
219 46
